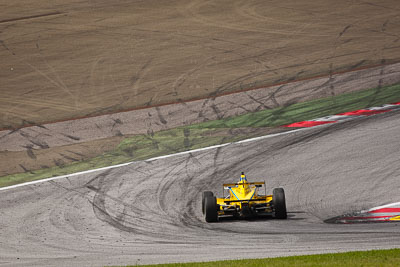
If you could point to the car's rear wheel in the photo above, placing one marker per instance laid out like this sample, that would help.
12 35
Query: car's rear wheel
210 207
203 198
278 198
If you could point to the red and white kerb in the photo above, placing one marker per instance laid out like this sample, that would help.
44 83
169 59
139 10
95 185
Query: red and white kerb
345 116
386 213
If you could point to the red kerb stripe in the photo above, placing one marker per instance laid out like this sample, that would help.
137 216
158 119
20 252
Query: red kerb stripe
308 123
386 210
363 112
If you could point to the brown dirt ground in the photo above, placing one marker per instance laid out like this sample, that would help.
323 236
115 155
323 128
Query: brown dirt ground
64 60
33 159
12 162
83 58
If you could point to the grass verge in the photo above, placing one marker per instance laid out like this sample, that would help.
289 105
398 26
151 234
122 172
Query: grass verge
389 257
140 147
309 110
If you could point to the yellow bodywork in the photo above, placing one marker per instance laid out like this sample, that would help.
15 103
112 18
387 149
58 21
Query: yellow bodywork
397 218
244 198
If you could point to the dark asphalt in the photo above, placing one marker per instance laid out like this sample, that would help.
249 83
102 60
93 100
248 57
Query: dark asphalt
149 212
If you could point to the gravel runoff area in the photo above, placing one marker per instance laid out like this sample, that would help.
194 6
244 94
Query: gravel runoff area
67 59
150 211
153 119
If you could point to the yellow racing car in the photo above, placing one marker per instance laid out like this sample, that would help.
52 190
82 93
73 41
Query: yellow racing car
244 200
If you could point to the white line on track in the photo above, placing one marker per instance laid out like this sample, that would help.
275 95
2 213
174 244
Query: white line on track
152 159
63 176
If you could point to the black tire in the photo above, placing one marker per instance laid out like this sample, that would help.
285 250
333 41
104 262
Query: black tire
205 194
279 203
211 211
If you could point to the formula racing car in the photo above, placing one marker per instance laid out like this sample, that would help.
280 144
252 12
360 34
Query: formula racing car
243 200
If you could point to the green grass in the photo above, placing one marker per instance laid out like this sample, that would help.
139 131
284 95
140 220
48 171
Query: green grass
389 257
309 110
140 147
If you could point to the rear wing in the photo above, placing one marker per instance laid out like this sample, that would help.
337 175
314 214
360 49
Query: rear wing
246 200
257 184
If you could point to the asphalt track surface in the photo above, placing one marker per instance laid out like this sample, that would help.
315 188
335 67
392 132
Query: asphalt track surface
149 212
